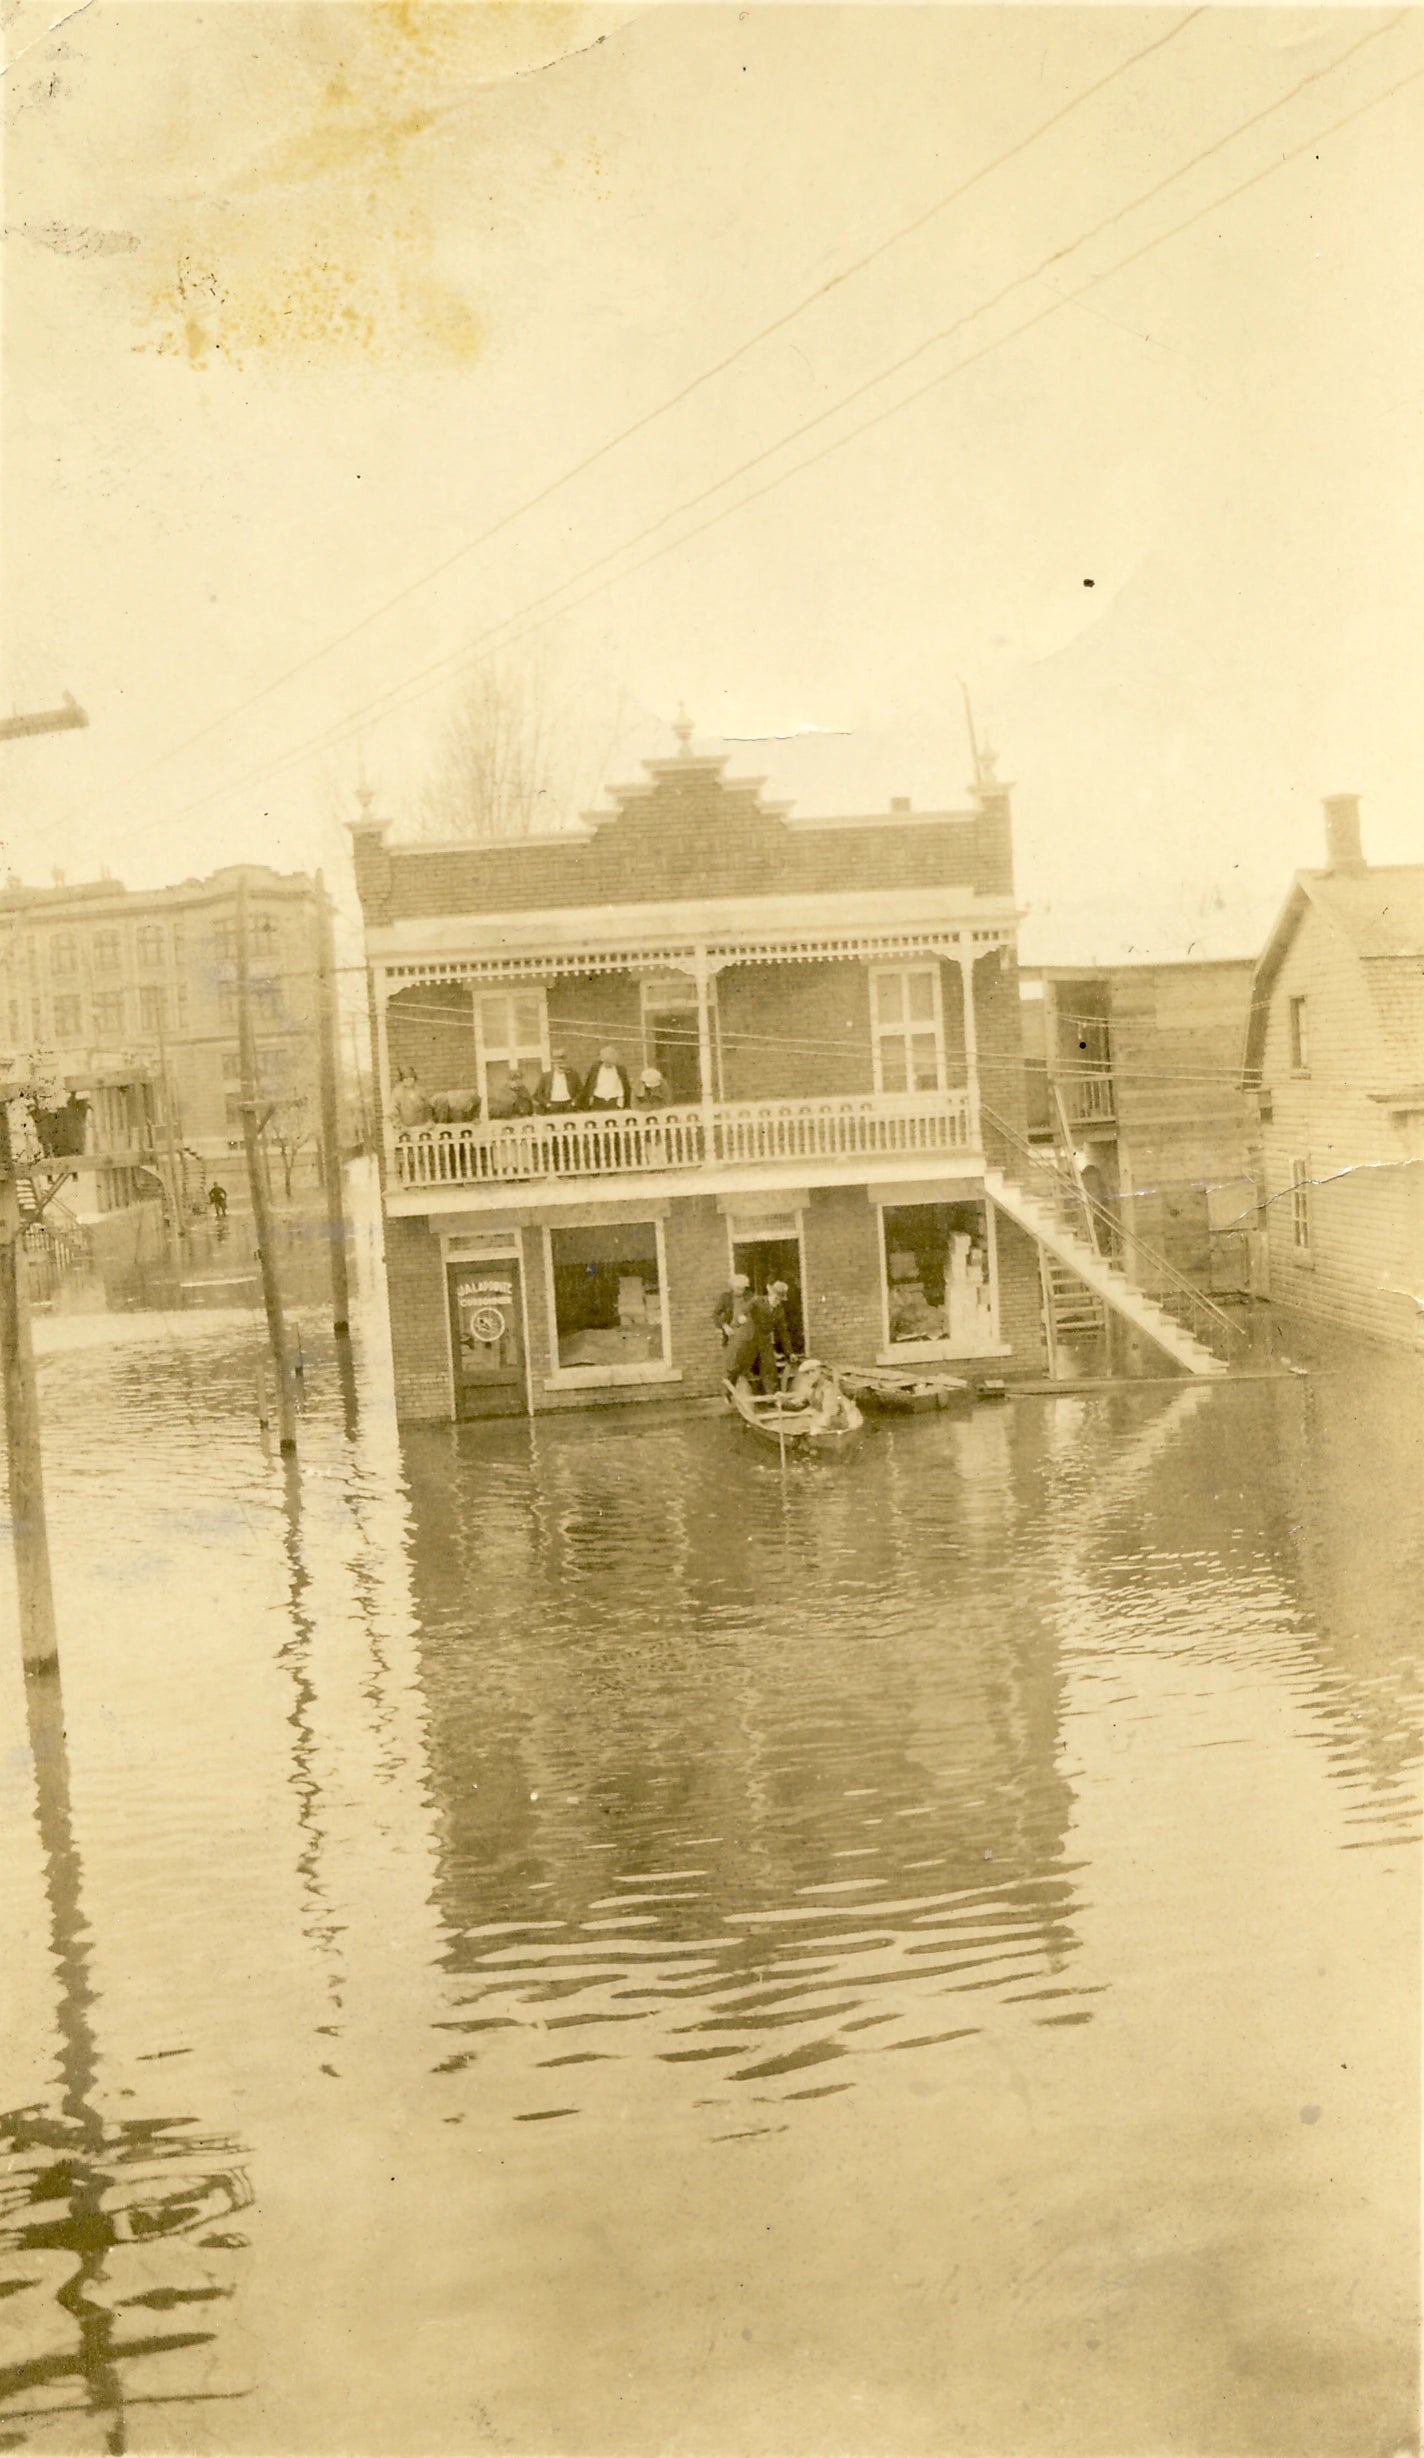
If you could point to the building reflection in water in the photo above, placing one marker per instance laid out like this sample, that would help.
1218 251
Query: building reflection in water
761 1773
108 2225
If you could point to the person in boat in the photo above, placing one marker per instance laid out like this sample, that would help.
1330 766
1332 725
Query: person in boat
778 1293
559 1090
731 1307
608 1087
751 1349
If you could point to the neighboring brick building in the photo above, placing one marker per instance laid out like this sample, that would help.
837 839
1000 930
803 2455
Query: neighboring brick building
1335 1054
99 983
802 985
1138 1066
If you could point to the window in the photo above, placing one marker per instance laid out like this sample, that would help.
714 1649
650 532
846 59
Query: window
232 1110
108 951
264 994
67 1020
225 941
14 1019
64 955
148 946
1299 1036
231 1065
938 1280
1300 1206
513 1036
108 1013
907 1029
607 1293
152 1007
670 1035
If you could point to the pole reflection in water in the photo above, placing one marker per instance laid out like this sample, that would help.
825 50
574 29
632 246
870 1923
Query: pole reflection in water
88 2201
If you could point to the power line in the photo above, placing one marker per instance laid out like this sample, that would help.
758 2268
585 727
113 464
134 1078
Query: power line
674 400
403 695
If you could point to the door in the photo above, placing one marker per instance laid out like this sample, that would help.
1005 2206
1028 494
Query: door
767 1259
487 1338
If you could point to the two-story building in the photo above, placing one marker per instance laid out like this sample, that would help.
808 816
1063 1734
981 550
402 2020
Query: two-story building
1335 1055
833 1004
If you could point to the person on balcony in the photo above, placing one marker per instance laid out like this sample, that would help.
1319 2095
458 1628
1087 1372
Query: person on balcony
653 1092
608 1087
558 1091
509 1098
409 1101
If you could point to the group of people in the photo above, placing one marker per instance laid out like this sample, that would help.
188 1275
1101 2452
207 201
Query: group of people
755 1325
558 1093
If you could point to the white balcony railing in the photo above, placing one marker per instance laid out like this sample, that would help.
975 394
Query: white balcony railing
618 1144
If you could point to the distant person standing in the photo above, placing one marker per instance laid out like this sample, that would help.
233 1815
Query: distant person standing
731 1307
608 1087
217 1197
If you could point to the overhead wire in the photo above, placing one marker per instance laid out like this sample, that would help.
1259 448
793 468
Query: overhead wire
403 695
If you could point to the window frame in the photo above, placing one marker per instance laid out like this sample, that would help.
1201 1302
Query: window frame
1300 1220
62 1032
64 955
906 1029
147 937
488 1052
106 951
1298 1032
109 998
646 1370
152 994
906 1352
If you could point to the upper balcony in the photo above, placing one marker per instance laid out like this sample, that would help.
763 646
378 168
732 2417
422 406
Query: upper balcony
817 1136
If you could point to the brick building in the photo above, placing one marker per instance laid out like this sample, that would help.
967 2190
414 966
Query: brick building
1335 1055
834 1004
102 984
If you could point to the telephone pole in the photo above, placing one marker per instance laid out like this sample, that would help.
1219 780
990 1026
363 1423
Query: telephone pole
39 1639
39 1645
329 1059
257 1184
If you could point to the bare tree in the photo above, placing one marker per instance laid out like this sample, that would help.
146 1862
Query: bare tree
520 754
288 1126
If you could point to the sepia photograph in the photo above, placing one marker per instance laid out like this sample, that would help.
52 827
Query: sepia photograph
711 1229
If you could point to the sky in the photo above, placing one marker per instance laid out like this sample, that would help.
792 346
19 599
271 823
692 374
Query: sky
301 302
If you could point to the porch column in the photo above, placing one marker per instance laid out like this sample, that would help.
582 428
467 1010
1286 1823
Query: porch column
701 973
964 957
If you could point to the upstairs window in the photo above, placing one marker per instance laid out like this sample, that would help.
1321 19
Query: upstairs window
67 1019
907 1028
1300 1206
108 951
1299 1036
148 946
513 1034
152 1007
109 1013
64 954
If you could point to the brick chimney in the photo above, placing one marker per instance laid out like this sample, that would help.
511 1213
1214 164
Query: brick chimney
1342 833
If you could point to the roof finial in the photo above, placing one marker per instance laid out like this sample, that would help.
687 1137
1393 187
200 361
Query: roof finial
682 728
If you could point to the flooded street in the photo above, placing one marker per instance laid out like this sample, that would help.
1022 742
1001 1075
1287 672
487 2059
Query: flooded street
560 1939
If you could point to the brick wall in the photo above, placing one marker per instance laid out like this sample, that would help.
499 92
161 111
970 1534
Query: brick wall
431 1027
1020 1299
420 1347
688 834
844 1318
586 1011
794 1028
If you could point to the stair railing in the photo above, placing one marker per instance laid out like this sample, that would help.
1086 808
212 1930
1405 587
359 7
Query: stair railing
1158 1279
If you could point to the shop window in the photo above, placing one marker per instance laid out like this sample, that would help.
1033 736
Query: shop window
1300 1206
907 1028
608 1308
513 1044
937 1275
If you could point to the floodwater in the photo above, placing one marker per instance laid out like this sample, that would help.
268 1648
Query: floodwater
559 1940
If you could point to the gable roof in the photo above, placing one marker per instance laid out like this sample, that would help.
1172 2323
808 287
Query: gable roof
1381 913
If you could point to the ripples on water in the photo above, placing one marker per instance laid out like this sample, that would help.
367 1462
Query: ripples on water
597 1766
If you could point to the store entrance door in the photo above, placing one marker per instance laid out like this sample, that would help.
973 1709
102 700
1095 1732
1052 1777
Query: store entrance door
487 1338
767 1259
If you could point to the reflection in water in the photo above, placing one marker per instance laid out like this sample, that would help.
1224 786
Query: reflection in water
608 1792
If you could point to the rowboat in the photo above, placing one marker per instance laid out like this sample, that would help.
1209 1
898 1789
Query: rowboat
896 1389
812 1414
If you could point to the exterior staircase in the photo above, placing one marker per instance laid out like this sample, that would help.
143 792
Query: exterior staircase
1048 1222
1069 1302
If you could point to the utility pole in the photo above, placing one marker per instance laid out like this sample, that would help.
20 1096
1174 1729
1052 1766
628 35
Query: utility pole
329 1059
257 1184
359 1082
44 721
177 1208
39 1645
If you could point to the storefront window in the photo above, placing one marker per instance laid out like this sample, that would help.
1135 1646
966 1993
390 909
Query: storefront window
937 1278
608 1295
